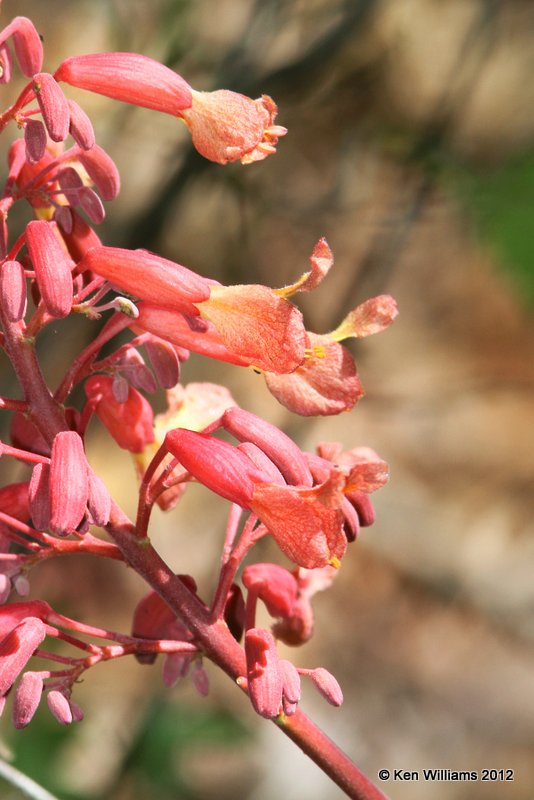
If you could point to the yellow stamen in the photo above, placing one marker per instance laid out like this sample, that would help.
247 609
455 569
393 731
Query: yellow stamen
317 351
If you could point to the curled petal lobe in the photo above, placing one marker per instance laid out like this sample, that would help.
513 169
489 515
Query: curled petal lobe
325 383
321 260
227 126
371 317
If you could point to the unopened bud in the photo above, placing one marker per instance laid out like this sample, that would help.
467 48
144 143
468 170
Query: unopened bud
81 128
53 104
69 483
327 685
27 698
102 170
13 290
59 707
52 267
35 140
264 674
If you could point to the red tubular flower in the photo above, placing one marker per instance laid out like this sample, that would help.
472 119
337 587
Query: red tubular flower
264 674
225 126
52 267
307 524
130 423
248 325
130 77
148 276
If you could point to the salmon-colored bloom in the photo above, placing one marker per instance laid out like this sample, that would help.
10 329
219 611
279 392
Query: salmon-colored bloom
225 126
307 523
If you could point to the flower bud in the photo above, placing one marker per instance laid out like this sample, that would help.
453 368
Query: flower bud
327 685
52 267
264 674
99 502
291 690
28 45
39 496
53 104
287 456
69 483
102 170
59 707
35 140
81 128
13 290
6 64
27 698
165 362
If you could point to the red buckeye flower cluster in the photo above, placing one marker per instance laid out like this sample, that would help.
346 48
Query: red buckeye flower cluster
311 504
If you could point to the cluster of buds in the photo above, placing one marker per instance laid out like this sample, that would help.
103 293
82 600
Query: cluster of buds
312 504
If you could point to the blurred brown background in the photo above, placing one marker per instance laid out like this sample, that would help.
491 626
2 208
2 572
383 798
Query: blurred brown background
410 147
